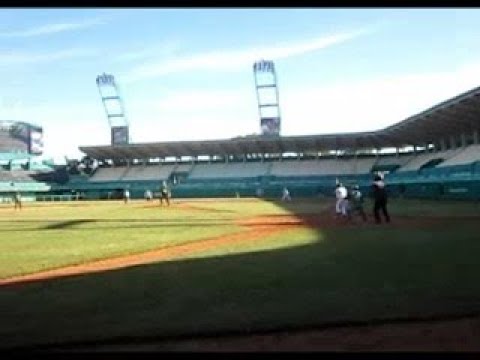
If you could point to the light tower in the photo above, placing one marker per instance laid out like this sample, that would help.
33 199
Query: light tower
114 109
267 97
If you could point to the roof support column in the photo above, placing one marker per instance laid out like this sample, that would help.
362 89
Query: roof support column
475 137
452 142
464 140
443 144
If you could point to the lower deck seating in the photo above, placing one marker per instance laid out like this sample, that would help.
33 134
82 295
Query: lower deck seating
229 170
468 155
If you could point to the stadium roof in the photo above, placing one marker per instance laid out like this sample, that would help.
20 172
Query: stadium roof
453 117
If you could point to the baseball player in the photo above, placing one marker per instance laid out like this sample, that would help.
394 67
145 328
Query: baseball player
164 194
357 202
380 199
342 203
17 199
126 196
148 195
286 195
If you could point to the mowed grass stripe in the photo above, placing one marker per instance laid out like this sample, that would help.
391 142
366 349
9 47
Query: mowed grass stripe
35 240
43 237
28 252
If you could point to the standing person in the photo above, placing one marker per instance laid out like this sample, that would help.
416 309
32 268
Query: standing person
380 199
345 204
17 199
286 195
357 202
148 195
164 194
126 196
341 195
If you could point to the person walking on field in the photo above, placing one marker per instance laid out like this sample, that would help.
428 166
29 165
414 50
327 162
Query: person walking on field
148 195
126 196
380 199
164 194
286 195
357 203
341 204
17 199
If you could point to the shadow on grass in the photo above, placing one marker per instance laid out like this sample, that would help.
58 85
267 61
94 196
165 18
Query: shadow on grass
67 224
120 224
343 276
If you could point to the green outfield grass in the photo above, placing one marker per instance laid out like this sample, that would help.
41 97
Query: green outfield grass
46 236
299 277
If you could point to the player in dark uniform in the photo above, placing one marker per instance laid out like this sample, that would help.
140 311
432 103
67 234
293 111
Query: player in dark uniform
17 199
164 194
356 201
380 199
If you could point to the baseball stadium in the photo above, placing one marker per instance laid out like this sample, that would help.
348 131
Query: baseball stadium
227 264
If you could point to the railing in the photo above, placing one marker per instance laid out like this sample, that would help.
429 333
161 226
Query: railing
74 197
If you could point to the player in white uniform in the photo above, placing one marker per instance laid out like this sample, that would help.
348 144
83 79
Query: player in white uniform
148 195
342 203
286 195
126 196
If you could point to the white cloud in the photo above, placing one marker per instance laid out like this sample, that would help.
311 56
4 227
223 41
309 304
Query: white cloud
194 115
342 107
197 114
19 58
66 126
227 60
50 29
372 104
167 48
192 101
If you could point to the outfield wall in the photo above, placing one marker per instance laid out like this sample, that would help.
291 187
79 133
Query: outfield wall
447 182
271 187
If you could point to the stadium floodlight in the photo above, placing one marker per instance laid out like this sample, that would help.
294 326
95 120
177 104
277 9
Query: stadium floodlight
267 97
114 109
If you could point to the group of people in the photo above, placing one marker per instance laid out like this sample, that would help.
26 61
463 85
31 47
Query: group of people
165 194
350 200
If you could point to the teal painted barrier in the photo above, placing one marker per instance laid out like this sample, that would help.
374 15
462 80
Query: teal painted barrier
452 182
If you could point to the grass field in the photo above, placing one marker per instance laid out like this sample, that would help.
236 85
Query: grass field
424 263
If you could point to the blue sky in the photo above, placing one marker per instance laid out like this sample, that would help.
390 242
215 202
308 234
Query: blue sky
186 74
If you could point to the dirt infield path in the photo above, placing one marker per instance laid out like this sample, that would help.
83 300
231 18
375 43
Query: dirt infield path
256 229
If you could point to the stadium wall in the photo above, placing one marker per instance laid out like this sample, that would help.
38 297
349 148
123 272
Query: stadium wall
443 185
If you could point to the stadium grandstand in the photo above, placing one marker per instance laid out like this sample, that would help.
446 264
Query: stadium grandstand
434 154
21 143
